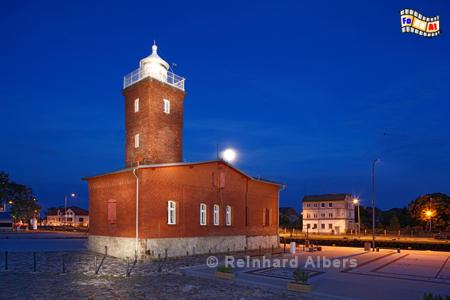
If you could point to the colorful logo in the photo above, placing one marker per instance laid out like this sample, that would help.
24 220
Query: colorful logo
414 22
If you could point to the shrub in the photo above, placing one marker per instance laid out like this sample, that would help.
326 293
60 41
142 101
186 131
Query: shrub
430 296
225 269
300 276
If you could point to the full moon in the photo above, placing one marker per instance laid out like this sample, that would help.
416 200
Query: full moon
229 155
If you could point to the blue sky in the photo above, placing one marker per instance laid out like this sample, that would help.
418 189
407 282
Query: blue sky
309 92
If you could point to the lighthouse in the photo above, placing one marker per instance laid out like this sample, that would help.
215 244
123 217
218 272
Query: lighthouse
160 205
154 105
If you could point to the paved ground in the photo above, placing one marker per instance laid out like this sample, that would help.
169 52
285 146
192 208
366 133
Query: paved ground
71 275
378 275
150 280
42 241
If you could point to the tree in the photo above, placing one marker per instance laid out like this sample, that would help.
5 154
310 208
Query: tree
4 188
394 223
431 206
23 203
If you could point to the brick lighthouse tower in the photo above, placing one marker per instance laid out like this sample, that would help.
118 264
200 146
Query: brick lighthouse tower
153 113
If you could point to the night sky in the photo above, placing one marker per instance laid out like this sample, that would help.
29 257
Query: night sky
309 93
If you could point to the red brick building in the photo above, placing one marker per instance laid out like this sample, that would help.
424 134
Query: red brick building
159 204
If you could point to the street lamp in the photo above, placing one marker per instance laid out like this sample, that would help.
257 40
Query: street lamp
229 155
373 202
429 215
356 202
65 207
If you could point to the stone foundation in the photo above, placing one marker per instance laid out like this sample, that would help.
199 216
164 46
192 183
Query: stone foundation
125 247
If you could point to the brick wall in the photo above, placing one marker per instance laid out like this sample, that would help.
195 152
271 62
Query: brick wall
188 186
160 133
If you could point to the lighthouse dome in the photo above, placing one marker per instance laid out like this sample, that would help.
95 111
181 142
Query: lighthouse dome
154 66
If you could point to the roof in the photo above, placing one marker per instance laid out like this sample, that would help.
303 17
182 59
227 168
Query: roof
189 164
5 216
53 211
326 197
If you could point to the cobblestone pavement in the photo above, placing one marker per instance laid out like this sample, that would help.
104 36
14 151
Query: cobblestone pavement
148 280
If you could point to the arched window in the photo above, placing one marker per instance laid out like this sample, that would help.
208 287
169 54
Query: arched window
216 214
202 214
228 216
171 212
136 105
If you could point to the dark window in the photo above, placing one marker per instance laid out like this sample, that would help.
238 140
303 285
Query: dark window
330 204
323 226
322 204
112 211
266 217
330 226
80 219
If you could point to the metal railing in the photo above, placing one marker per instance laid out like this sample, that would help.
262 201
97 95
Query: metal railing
138 74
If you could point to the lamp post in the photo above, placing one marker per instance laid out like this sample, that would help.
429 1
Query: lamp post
429 214
373 202
65 207
356 201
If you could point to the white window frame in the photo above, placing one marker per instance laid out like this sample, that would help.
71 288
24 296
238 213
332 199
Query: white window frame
136 140
136 105
171 212
166 106
202 214
228 215
216 215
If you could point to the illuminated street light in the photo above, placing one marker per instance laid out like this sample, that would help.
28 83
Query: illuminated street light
10 202
429 213
229 155
356 202
65 207
373 202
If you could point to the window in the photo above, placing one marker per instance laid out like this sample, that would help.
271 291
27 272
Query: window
246 216
330 226
112 204
315 215
308 205
307 216
266 217
322 204
203 214
308 226
322 226
136 105
315 204
314 226
171 212
166 106
330 215
80 219
330 204
322 215
136 141
216 214
228 216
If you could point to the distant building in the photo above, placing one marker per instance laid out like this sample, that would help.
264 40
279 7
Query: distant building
6 221
290 213
76 217
330 213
